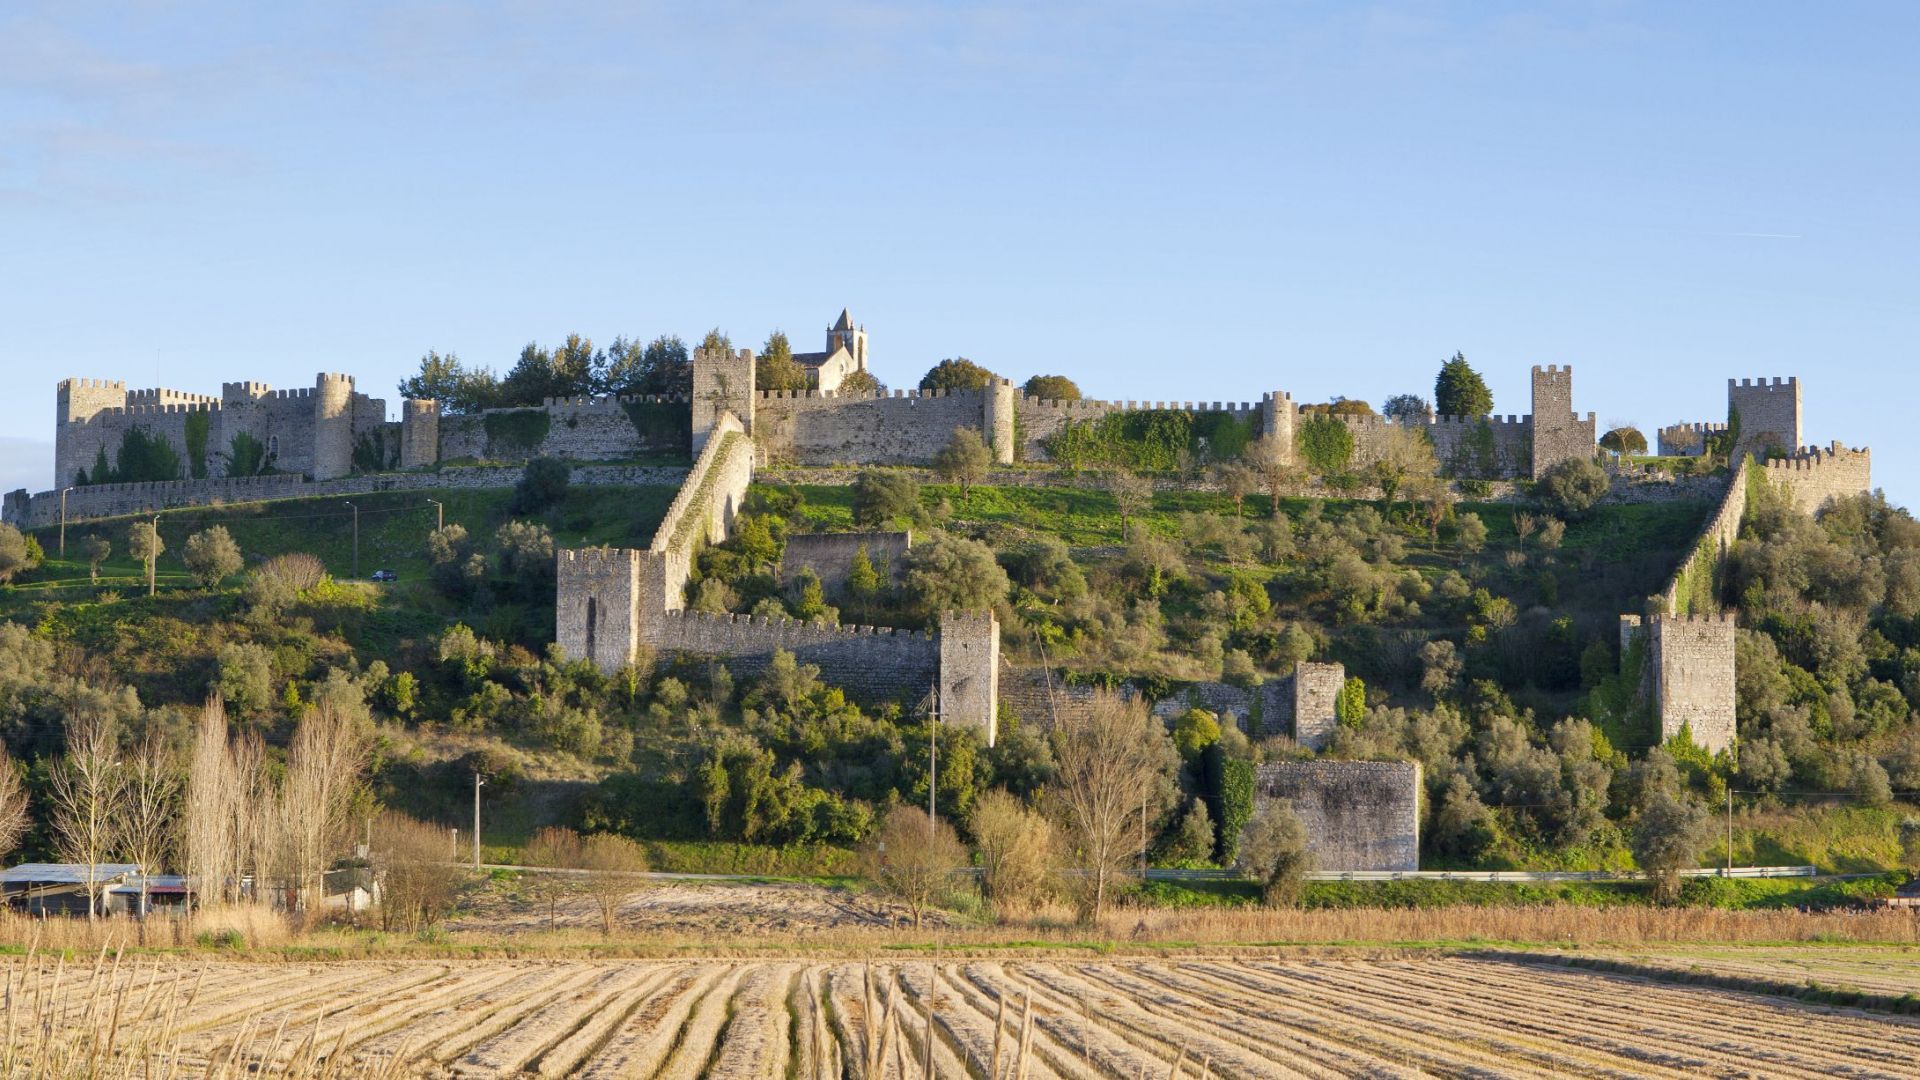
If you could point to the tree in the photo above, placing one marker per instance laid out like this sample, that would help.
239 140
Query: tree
1325 443
1273 851
863 580
1572 487
910 856
953 573
964 460
326 765
860 382
418 883
556 848
1470 532
1460 391
542 486
661 367
881 496
1194 732
1671 831
211 811
17 552
1016 845
1131 494
1909 844
775 368
13 804
144 542
212 556
1051 388
956 374
612 863
88 785
1407 409
1272 459
97 549
1237 481
1108 775
1404 454
1624 440
458 388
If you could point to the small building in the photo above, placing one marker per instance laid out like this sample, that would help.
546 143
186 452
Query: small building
1906 896
61 888
149 894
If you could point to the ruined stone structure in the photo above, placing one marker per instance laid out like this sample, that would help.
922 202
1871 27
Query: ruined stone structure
1495 447
1359 815
1300 705
1815 477
1768 415
1688 666
317 432
1316 689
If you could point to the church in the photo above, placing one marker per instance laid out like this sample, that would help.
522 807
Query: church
846 353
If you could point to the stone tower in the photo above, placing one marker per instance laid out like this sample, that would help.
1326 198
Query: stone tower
596 616
77 437
1558 432
1687 673
1316 699
419 433
970 670
1768 415
997 420
843 332
722 383
1278 415
332 426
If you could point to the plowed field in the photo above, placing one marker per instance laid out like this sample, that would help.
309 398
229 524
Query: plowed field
740 1019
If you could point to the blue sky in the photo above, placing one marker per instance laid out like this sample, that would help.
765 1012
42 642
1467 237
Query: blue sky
1161 200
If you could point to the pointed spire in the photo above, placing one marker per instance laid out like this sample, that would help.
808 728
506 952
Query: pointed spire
845 322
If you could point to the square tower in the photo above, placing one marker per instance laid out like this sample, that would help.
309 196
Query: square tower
1316 697
970 670
1767 416
1559 434
722 383
595 613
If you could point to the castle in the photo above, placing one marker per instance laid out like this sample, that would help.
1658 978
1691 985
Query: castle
619 606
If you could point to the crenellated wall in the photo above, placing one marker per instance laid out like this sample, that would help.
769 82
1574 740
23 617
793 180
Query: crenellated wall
906 427
578 429
1688 673
1814 477
1359 815
1686 440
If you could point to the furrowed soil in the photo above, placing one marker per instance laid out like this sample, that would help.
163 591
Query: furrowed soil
1048 1018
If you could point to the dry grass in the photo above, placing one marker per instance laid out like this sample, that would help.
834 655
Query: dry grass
227 926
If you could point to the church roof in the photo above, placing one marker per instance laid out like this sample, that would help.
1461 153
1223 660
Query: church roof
846 321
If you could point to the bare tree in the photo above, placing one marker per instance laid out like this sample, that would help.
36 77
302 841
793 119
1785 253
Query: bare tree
1016 845
153 797
325 765
13 804
1109 766
257 824
1131 494
210 817
551 847
89 789
611 861
1272 458
418 883
910 857
1237 480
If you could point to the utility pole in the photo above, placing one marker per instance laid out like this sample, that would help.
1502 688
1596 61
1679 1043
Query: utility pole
151 558
356 540
439 514
933 764
476 818
63 521
1729 832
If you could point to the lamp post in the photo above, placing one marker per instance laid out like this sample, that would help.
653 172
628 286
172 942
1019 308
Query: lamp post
439 514
477 781
356 540
152 556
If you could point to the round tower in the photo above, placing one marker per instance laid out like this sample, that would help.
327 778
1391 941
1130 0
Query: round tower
332 426
419 433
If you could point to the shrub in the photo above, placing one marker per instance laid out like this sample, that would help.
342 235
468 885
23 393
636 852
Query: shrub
910 857
1274 853
1017 848
1051 388
1325 443
956 374
1572 487
543 484
212 556
16 554
1194 732
1230 786
880 496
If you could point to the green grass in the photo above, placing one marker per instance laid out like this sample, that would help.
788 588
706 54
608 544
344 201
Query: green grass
1737 893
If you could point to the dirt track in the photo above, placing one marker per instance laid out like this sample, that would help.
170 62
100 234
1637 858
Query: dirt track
695 908
734 1020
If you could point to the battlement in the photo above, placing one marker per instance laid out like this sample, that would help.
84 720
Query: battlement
599 560
1722 618
117 385
1812 457
1700 428
163 396
735 619
968 619
236 392
419 406
333 377
1791 384
1508 421
1554 369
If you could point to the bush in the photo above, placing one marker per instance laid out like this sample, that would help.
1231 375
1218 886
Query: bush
1230 788
543 484
881 496
1274 853
1572 487
16 554
1325 443
1051 388
956 374
212 556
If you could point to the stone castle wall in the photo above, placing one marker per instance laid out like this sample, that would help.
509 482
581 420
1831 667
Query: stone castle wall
1481 447
1689 674
1814 477
1359 815
119 500
579 429
871 664
1710 549
830 556
1316 691
806 427
1686 440
1769 415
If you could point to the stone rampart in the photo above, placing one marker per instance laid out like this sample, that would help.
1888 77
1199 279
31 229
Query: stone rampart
906 427
1686 440
1039 419
712 495
120 500
1814 476
1709 551
579 429
870 663
830 556
1359 815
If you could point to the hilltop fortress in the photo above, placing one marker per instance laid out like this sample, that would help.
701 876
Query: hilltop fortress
618 606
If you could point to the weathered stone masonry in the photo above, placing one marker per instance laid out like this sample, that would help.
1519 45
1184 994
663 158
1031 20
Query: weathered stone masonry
1359 815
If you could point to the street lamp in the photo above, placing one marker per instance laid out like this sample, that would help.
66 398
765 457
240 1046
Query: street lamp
356 540
152 555
439 514
477 782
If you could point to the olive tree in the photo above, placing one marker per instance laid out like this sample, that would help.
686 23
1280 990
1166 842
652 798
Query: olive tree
212 556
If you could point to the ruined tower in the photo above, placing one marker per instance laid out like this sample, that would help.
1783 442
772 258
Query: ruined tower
419 433
1687 673
596 613
970 670
722 383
